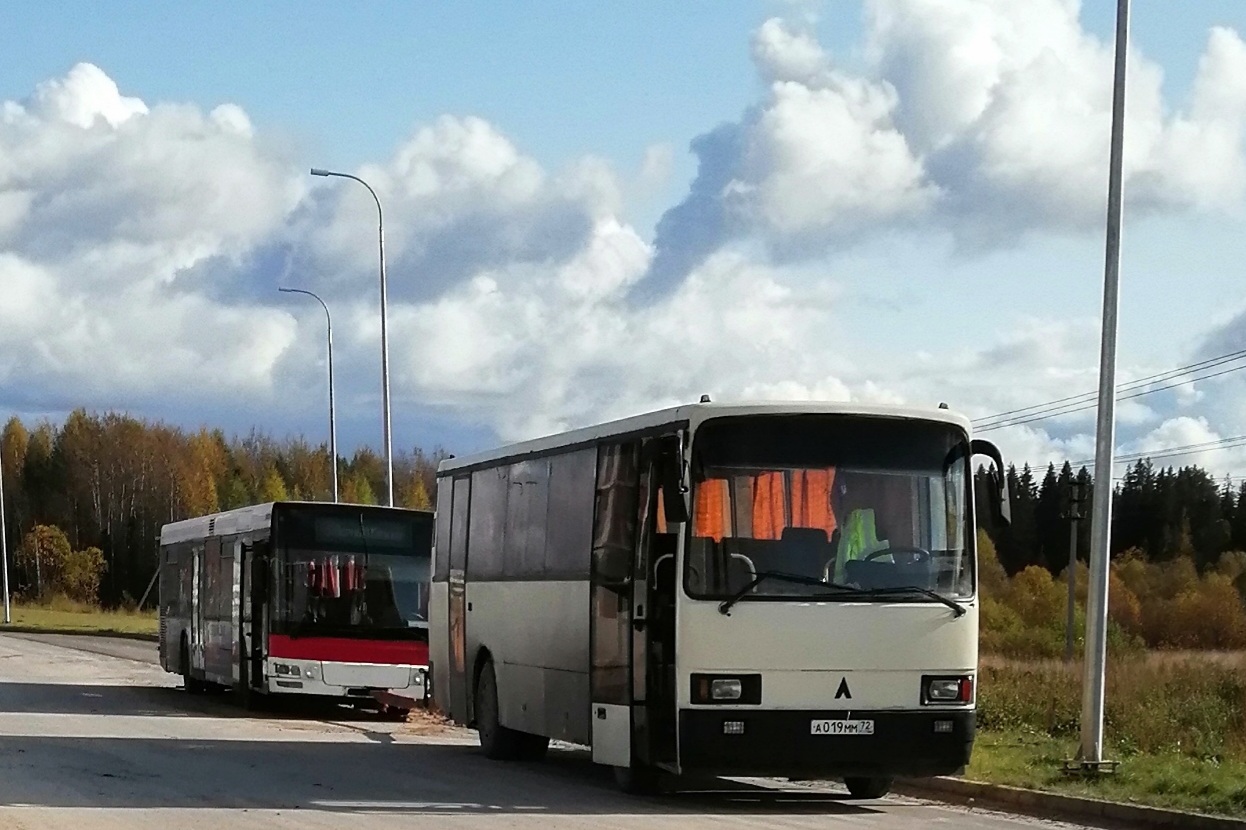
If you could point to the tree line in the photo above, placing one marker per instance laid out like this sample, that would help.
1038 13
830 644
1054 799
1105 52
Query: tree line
1158 515
108 482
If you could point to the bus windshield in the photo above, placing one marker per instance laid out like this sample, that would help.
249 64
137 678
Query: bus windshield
349 571
870 503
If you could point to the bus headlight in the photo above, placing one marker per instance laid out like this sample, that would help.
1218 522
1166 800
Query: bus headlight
957 689
711 689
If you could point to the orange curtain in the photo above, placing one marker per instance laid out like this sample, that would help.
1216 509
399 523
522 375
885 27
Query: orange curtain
811 499
711 509
768 504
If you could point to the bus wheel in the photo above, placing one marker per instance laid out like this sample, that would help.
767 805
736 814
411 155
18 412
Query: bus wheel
868 787
498 742
636 779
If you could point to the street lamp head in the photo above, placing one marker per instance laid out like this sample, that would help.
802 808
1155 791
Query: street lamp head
318 171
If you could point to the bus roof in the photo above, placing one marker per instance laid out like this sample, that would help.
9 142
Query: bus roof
249 519
694 414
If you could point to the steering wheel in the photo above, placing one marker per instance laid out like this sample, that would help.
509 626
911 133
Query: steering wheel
921 554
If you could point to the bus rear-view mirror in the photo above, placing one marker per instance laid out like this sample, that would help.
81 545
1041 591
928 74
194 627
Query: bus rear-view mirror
1001 504
671 461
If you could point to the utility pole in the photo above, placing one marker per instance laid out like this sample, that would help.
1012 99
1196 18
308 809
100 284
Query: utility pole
4 544
1074 515
1090 754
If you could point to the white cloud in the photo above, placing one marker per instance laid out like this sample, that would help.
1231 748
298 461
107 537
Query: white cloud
557 350
656 166
459 198
989 118
104 205
1009 101
84 96
1200 154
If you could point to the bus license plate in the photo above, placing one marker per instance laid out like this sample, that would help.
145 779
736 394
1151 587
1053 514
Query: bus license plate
841 727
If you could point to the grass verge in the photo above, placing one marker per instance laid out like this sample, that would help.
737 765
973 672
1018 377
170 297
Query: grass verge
68 618
1172 780
1175 721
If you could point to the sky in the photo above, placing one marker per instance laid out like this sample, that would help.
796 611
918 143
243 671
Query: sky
594 210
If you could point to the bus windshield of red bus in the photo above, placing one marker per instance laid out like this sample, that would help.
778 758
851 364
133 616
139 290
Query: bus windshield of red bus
349 571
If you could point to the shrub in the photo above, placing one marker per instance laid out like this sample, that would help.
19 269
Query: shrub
1036 597
80 575
1153 704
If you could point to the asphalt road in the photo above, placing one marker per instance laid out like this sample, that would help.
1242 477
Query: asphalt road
94 735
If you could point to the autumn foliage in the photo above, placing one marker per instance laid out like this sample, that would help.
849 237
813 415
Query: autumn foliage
84 502
1156 604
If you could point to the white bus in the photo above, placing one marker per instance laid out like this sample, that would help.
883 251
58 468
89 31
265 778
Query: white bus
763 590
298 598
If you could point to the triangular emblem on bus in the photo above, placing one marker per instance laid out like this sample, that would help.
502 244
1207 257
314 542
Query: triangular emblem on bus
843 690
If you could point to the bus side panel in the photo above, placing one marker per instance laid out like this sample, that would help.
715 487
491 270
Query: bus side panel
526 626
530 538
218 572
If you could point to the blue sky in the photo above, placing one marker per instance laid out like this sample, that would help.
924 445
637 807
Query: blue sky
590 110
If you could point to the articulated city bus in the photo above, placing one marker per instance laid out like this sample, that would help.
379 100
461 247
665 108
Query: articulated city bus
298 598
764 590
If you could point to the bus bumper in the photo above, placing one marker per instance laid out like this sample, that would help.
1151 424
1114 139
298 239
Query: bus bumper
751 742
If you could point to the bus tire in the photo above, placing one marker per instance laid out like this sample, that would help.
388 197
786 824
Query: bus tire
637 779
868 786
498 742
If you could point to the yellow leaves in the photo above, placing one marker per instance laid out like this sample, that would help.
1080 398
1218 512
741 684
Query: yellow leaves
1166 604
60 570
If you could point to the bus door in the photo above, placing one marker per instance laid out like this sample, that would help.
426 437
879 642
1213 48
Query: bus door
615 513
198 598
459 676
654 585
252 594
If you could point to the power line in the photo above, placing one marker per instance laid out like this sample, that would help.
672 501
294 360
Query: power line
1123 387
1171 452
1091 404
1087 400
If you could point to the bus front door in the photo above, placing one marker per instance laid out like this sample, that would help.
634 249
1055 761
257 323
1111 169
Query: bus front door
653 602
632 614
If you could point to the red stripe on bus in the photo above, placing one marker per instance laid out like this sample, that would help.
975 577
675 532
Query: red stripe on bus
348 650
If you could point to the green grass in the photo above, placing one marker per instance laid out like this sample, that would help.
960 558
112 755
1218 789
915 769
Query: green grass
1171 779
1176 722
60 616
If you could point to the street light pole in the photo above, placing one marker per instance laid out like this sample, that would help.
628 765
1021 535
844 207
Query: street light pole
380 227
4 544
1090 754
332 420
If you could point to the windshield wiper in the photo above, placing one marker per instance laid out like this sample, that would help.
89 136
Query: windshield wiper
724 607
956 607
